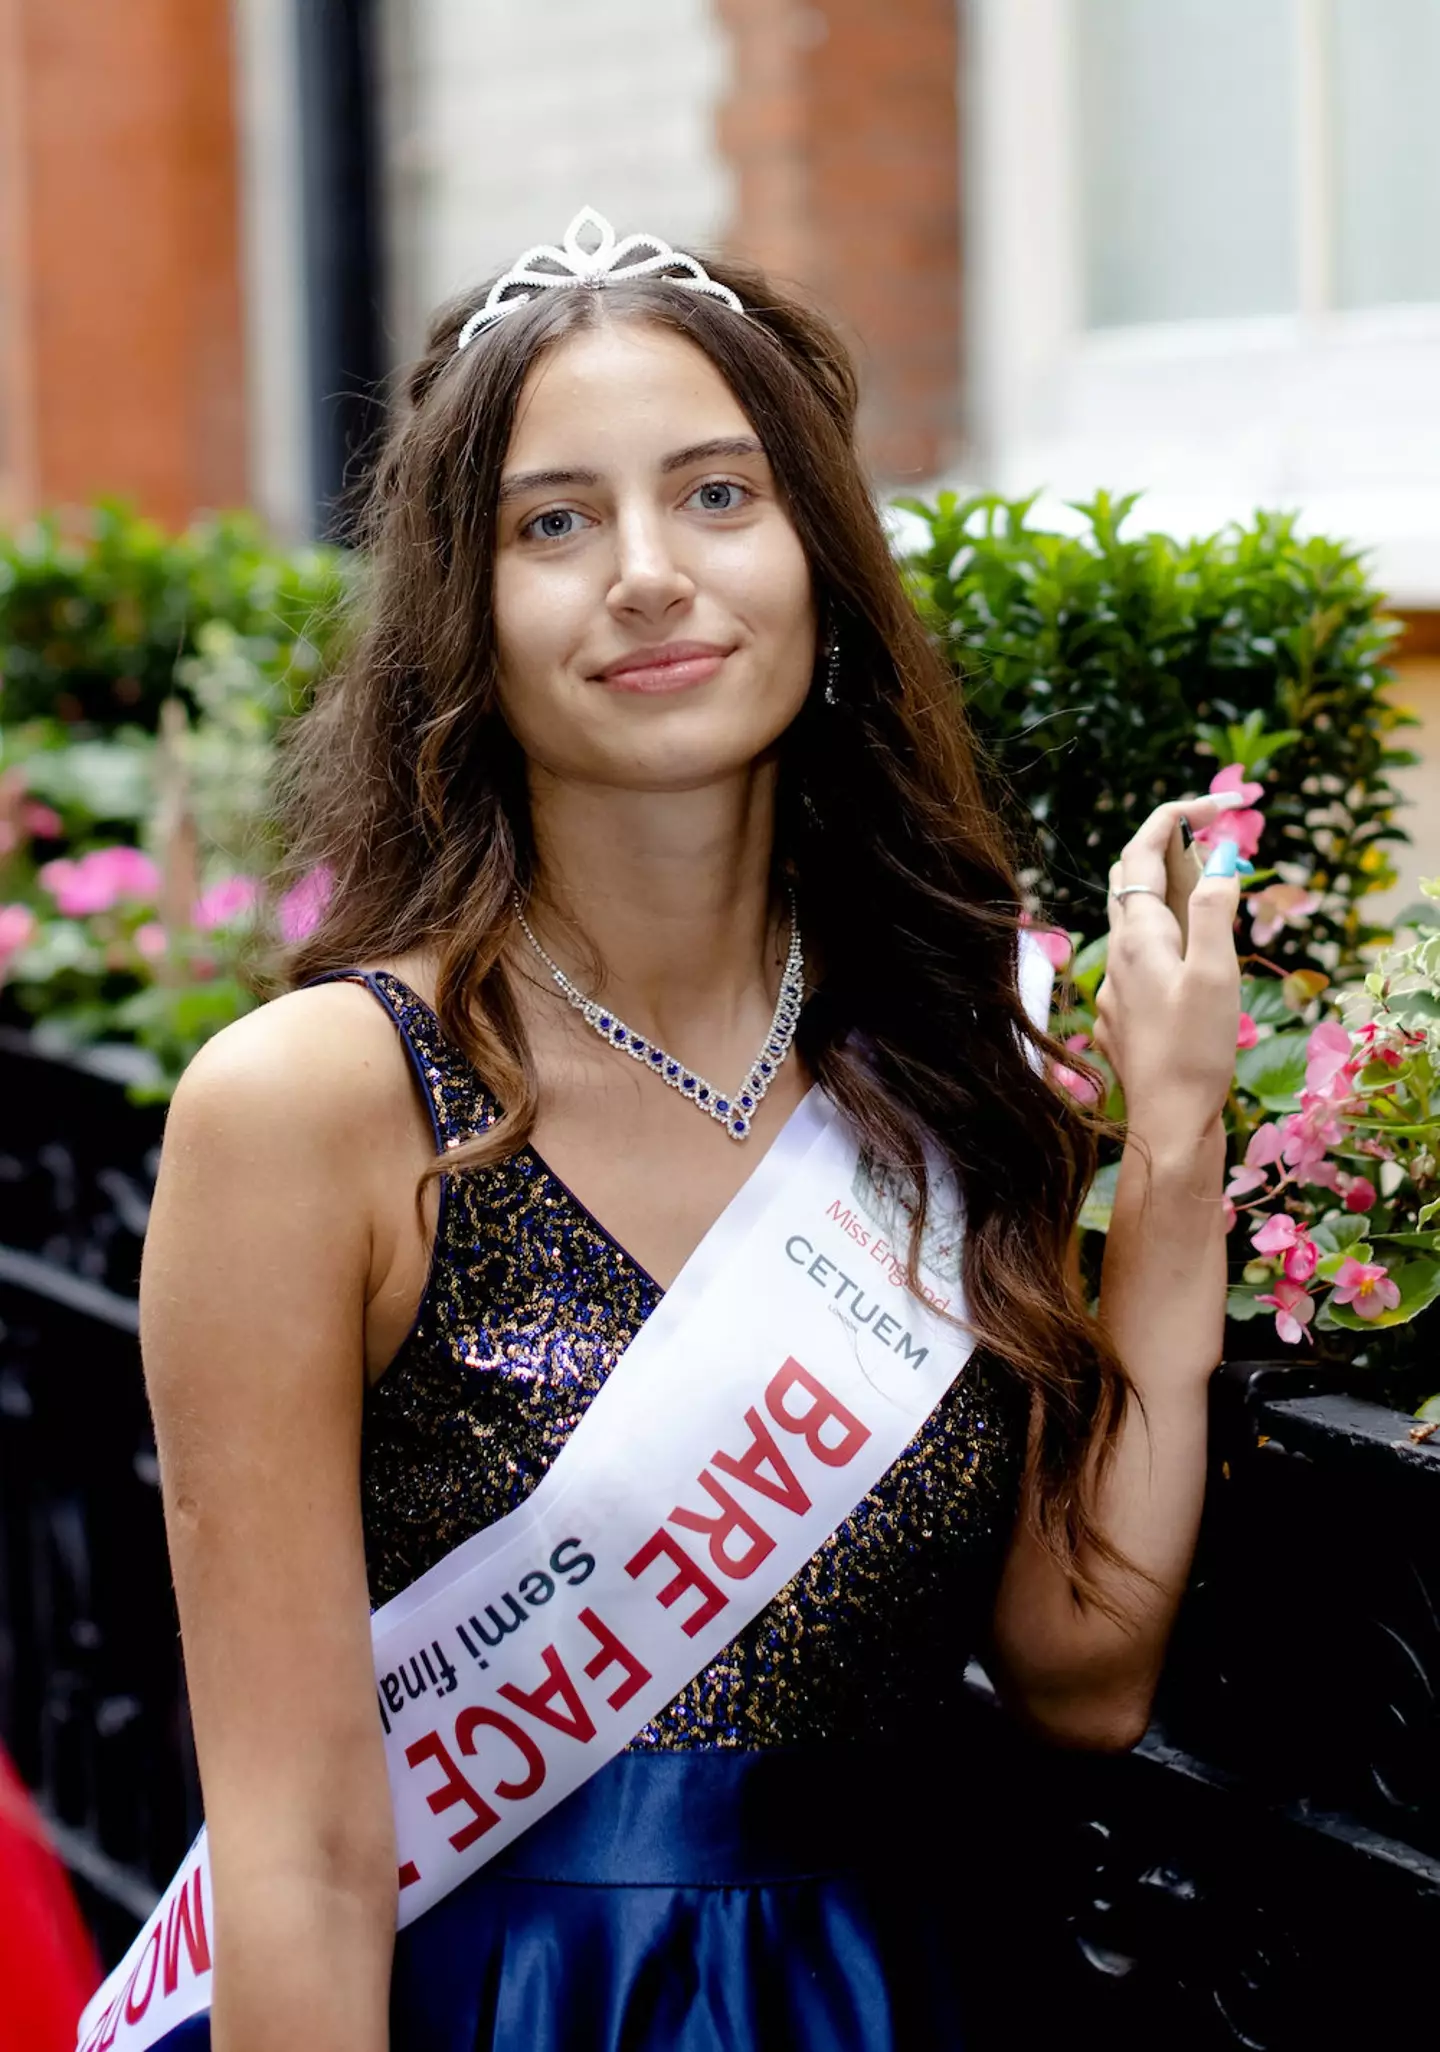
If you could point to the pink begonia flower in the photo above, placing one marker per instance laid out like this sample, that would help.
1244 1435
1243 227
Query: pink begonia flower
1302 1260
1293 1310
1248 1032
225 902
1279 904
17 929
41 822
1366 1286
1231 1214
1262 1153
1359 1193
1244 827
1054 943
1308 1136
303 906
1276 1234
150 940
1328 1054
97 882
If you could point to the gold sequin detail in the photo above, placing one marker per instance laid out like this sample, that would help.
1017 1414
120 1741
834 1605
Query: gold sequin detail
529 1305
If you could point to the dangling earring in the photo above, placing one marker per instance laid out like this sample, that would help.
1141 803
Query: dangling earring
832 670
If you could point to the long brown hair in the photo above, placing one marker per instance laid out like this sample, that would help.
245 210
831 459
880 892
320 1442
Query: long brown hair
405 783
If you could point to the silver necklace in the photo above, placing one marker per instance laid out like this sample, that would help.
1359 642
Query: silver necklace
735 1110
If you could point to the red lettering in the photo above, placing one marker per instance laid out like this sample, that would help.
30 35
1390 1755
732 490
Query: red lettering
579 1724
408 1875
103 2035
810 1423
197 1943
134 2009
613 1654
730 1521
470 1721
686 1576
453 1789
780 1484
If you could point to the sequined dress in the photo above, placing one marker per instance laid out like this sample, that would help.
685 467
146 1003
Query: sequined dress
747 1874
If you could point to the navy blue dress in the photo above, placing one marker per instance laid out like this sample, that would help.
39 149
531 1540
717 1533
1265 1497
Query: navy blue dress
772 1864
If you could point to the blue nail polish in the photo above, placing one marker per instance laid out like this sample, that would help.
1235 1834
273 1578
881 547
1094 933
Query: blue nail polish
1224 859
1244 867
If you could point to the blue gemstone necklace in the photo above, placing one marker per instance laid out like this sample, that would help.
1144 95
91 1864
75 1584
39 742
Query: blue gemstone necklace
735 1110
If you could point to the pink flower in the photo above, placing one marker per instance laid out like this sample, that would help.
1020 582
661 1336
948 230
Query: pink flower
100 880
1366 1286
303 906
1278 905
226 902
1302 1260
1308 1134
1359 1193
150 940
1392 1056
1245 827
1264 1150
1293 1310
1232 778
1054 944
1327 1058
42 822
17 928
1248 1032
1276 1234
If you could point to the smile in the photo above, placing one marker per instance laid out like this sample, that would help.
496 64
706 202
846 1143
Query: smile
671 666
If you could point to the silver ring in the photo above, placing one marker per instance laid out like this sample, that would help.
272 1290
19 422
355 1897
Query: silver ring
1129 890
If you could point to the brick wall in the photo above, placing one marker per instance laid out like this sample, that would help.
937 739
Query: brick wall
841 128
504 120
122 363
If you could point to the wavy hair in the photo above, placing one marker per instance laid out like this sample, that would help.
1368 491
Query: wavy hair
404 781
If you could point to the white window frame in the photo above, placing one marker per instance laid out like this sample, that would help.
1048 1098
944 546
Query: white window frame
1333 412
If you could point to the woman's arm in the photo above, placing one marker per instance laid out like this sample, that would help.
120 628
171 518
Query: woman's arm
1168 1024
257 1266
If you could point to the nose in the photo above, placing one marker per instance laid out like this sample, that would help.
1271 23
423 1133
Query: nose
650 581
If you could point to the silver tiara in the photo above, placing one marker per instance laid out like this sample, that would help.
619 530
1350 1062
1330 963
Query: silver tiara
638 256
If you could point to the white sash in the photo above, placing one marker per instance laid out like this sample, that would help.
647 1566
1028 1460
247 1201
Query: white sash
771 1389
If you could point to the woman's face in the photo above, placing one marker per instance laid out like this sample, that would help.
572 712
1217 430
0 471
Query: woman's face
653 606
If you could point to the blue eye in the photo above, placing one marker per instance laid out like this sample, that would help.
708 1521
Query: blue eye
720 495
558 524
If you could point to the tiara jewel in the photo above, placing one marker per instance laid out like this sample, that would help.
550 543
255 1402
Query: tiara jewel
638 256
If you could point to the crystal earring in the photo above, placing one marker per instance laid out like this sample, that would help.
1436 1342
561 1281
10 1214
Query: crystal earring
832 670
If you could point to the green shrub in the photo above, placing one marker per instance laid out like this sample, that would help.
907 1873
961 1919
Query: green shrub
92 628
1105 672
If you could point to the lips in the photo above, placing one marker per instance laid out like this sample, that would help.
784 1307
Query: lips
667 666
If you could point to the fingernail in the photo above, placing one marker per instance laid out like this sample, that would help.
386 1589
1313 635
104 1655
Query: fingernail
1244 867
1228 801
1225 860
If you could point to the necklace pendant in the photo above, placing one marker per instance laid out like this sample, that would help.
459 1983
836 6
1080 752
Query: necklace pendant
735 1111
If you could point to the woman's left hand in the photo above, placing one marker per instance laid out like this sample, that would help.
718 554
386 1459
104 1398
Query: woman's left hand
1167 1017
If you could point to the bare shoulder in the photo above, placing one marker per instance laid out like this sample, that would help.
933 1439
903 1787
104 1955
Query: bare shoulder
322 1060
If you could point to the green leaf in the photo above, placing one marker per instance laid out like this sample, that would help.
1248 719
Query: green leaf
1429 1411
1429 1211
1263 997
1339 1230
1273 1070
1243 1304
1088 967
1099 1205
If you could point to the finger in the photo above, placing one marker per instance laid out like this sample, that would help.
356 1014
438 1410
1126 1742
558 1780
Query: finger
1143 857
1115 907
1213 909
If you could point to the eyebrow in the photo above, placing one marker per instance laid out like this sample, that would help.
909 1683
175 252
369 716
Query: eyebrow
522 481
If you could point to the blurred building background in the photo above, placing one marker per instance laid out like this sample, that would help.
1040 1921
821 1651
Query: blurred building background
1190 245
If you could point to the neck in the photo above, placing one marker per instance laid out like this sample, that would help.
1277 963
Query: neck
661 903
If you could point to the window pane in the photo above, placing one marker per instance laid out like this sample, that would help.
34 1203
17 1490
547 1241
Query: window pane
1186 122
1385 64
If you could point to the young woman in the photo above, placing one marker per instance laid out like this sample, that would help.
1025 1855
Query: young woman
640 714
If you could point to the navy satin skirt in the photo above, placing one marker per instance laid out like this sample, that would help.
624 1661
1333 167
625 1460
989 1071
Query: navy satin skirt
704 1902
785 1901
